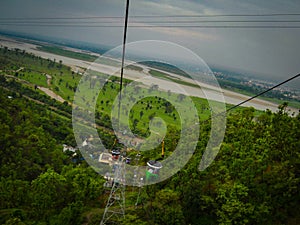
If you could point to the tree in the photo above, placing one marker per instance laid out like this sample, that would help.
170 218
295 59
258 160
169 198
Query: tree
71 215
154 87
48 194
14 193
14 221
137 89
60 64
151 116
135 123
180 97
141 114
165 208
84 183
233 205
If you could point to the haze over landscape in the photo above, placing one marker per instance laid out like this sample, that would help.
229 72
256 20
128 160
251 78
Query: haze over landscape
77 65
270 53
196 123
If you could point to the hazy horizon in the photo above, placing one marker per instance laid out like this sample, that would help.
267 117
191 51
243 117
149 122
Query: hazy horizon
271 53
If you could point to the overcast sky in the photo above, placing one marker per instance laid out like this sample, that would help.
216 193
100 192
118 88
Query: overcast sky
273 53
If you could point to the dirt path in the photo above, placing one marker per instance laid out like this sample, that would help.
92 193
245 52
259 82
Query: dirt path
47 91
49 77
20 69
230 96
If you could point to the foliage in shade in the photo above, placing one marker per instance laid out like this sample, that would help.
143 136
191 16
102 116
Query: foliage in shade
253 180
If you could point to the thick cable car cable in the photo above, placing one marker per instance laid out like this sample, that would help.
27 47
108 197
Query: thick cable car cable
115 207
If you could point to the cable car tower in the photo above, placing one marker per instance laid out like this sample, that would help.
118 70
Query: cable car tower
115 207
114 211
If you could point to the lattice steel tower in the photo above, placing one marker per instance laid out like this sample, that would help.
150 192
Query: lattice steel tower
115 207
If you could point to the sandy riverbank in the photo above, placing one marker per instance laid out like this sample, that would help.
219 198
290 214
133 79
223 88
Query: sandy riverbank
208 91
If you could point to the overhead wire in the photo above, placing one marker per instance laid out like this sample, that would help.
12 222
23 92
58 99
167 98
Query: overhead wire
279 21
162 26
152 16
263 92
251 98
36 21
155 22
219 15
123 58
178 20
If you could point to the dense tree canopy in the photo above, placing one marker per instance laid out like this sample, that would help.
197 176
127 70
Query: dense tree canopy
255 178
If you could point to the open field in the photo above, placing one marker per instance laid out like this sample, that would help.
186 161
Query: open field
59 82
67 53
258 156
230 96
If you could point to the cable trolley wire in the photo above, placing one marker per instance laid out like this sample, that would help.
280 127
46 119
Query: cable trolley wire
263 92
279 21
152 22
123 58
163 26
251 98
152 16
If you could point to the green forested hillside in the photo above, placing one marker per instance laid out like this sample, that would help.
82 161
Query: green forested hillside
39 183
37 72
255 178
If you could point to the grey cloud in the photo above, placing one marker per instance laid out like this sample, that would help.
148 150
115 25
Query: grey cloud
272 52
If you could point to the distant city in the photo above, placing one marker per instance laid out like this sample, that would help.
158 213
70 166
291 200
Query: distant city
244 83
255 86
